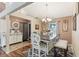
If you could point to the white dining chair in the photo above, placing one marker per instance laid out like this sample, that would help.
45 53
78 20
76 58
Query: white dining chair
38 48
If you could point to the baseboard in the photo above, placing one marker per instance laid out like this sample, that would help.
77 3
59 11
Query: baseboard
15 43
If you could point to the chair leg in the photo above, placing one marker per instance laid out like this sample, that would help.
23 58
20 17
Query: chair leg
45 54
55 53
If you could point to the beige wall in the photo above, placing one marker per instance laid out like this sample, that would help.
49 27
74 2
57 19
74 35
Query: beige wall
75 34
68 34
33 20
75 39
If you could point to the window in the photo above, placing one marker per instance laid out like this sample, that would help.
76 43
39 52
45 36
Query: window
52 27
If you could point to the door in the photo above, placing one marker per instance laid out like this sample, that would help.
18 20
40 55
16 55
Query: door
25 31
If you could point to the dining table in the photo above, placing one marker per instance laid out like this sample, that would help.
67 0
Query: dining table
55 42
49 42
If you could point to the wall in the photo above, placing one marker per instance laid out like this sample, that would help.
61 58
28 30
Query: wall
2 32
68 34
3 23
75 34
75 39
32 19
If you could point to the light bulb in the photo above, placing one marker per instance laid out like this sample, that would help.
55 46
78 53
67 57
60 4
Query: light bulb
48 19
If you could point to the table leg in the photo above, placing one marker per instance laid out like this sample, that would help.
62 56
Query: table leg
65 52
47 48
55 53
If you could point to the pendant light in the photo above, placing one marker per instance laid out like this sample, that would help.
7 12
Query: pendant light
46 18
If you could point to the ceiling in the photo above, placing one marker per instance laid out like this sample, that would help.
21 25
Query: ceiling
13 6
53 10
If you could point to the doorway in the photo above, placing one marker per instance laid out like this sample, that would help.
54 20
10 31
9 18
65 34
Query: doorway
25 28
25 31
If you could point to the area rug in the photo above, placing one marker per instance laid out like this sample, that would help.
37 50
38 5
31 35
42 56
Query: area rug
59 53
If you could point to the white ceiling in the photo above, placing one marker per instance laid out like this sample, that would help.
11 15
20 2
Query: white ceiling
13 6
54 9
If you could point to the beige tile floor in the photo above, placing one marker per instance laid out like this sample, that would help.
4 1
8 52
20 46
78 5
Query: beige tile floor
17 46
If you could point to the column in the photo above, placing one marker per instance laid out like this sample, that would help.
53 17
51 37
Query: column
7 34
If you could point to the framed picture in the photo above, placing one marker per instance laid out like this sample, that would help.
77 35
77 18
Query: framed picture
37 27
74 23
65 25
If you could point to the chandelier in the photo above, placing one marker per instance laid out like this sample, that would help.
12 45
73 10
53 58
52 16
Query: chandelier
46 18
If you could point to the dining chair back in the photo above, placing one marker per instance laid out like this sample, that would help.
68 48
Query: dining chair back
36 46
